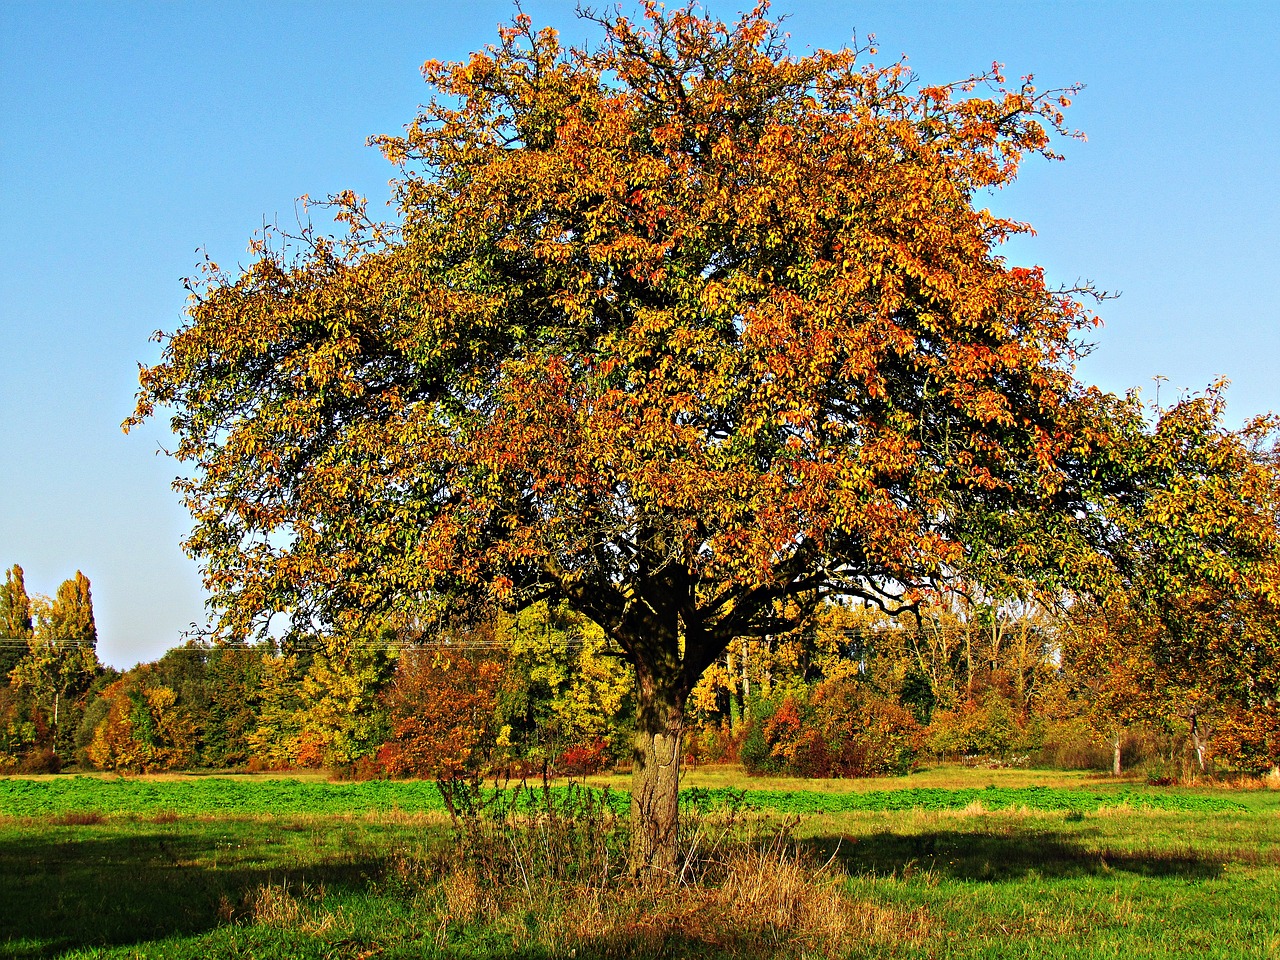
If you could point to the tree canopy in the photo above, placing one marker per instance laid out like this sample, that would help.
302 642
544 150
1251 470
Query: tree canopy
682 329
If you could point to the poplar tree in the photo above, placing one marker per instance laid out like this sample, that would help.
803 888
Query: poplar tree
15 620
61 658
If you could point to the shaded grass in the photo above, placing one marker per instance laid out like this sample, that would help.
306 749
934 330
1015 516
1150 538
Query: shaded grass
131 882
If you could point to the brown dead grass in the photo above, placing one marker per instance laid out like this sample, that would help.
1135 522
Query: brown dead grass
78 818
272 905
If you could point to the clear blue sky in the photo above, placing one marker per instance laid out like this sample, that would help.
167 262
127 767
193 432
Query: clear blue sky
133 134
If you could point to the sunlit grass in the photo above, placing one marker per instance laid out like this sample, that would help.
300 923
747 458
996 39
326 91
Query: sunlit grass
950 776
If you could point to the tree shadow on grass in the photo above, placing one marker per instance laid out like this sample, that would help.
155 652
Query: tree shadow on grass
63 893
1001 857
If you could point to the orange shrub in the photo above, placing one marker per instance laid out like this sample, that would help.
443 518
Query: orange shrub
866 733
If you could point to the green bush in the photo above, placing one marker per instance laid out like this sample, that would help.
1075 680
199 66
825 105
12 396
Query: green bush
755 753
987 728
1071 745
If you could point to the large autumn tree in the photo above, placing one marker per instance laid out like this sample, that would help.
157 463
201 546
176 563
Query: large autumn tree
682 329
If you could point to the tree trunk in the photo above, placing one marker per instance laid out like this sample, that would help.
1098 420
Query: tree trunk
1115 755
1197 741
731 668
655 776
968 662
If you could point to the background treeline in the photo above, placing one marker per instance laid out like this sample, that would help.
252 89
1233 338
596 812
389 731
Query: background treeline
49 671
969 677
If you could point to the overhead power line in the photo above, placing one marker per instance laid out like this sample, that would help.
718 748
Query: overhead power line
24 643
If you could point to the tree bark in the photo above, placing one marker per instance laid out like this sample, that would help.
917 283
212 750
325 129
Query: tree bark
655 776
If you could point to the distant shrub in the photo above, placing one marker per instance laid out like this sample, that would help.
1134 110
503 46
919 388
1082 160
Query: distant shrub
309 752
715 743
144 728
40 760
755 752
370 767
95 714
867 733
786 732
842 728
441 707
1071 745
583 759
21 726
987 728
261 765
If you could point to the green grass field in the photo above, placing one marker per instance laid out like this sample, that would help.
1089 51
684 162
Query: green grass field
954 863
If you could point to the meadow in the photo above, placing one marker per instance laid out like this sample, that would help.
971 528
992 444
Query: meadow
947 863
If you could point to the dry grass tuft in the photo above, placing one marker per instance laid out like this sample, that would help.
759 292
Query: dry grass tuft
465 899
552 875
78 818
784 895
1121 810
227 911
407 818
273 905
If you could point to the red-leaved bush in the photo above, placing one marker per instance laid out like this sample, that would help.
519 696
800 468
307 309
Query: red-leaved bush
583 759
